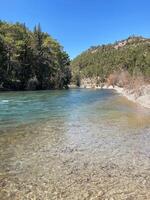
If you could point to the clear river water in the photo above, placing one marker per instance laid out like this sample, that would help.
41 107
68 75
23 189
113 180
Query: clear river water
80 144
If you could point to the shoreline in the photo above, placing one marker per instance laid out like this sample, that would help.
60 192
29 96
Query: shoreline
143 99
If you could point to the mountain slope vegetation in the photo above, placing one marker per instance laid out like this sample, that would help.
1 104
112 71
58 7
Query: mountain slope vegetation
131 55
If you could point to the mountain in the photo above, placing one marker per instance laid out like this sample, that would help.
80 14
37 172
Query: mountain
131 55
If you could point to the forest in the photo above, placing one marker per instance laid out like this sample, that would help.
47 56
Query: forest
31 60
131 55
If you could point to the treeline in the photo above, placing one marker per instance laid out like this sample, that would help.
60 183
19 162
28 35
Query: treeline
132 55
31 60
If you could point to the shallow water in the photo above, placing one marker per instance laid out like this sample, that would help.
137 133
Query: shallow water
74 144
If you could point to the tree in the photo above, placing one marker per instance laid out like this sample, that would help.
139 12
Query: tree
31 59
3 61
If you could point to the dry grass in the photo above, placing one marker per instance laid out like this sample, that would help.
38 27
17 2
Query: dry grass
133 85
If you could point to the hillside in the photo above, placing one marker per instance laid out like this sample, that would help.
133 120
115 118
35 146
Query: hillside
98 62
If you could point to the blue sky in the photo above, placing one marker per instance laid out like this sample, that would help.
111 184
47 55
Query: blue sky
79 24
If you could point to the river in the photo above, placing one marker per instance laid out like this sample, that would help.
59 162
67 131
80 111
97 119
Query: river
73 145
